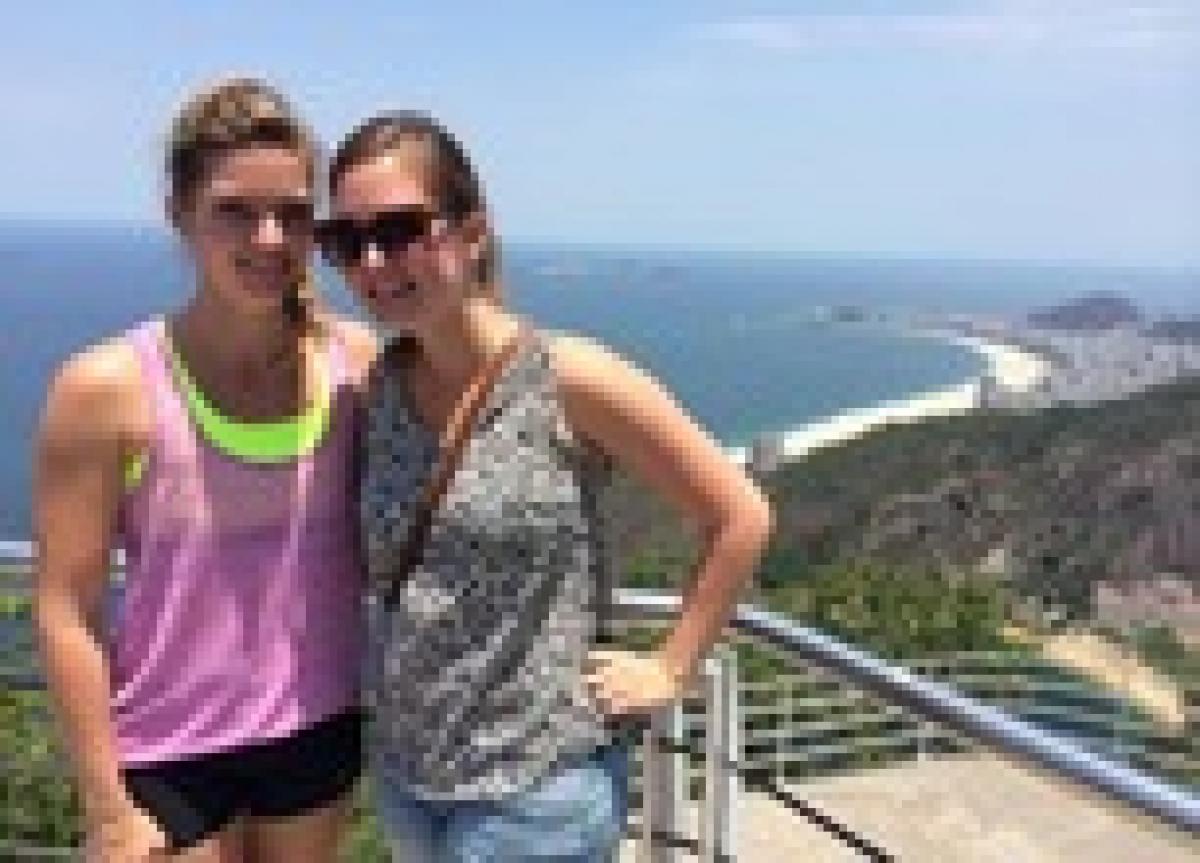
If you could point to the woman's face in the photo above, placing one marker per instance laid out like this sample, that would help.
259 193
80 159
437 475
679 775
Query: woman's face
250 225
398 255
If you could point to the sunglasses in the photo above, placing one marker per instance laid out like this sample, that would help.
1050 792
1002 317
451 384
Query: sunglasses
343 240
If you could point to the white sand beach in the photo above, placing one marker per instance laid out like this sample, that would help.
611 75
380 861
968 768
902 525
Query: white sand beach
1012 368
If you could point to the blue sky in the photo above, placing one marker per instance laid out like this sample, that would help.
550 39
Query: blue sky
1027 129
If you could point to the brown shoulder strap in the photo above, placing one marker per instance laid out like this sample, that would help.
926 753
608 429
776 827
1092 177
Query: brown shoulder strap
452 444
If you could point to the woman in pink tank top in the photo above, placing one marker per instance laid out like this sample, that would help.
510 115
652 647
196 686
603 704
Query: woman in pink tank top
213 714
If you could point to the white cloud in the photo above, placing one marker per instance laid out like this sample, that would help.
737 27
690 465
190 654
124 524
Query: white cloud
1098 25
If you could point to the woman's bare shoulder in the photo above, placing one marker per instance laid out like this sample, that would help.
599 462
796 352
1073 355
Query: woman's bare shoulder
361 342
105 369
95 392
583 363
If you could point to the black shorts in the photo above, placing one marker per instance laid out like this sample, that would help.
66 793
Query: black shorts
194 797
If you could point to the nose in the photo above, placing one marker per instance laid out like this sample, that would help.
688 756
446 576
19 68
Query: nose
268 233
372 257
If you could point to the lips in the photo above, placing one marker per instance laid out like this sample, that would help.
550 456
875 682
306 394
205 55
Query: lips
405 289
246 267
265 277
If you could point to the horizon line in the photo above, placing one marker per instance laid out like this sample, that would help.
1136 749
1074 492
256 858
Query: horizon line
667 247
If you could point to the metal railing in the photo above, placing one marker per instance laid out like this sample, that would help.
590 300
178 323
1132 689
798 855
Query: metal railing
662 825
933 702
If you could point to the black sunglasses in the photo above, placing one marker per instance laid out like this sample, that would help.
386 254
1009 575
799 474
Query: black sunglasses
344 240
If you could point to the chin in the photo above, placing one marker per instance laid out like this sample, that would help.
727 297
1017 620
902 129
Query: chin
259 290
398 324
260 304
398 314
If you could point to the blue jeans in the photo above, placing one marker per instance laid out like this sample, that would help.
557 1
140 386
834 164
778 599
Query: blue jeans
575 815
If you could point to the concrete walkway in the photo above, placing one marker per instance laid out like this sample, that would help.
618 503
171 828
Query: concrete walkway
953 809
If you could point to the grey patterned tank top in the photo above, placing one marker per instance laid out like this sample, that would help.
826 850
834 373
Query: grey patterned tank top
475 672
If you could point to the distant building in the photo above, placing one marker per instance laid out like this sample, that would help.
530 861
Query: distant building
766 454
1168 599
1186 330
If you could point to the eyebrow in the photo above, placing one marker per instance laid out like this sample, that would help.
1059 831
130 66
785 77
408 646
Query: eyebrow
221 190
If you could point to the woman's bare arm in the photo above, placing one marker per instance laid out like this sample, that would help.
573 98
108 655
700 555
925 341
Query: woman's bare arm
632 418
77 482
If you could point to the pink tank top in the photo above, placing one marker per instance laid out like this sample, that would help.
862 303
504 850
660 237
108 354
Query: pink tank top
240 617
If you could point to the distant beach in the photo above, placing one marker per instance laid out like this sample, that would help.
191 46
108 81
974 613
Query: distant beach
1011 367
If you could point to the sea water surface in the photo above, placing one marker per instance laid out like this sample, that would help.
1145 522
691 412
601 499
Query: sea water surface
740 339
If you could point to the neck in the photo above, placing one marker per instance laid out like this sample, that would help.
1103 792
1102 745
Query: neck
465 341
228 336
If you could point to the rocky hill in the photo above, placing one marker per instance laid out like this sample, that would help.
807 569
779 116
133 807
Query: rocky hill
1056 502
1099 310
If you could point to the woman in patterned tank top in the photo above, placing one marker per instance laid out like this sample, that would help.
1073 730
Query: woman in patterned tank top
493 694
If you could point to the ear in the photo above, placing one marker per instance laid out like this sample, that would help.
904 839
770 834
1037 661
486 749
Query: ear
173 207
474 231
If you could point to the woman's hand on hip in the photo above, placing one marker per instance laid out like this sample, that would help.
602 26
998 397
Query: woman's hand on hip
629 683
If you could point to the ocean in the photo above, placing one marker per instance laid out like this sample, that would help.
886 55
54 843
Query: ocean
738 337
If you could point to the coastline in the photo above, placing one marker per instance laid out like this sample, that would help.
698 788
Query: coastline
1012 367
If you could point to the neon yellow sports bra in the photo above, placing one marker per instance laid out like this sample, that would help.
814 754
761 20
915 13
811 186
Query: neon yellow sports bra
263 441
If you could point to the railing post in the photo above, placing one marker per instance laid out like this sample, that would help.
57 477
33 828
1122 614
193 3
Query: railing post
663 775
782 729
722 750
